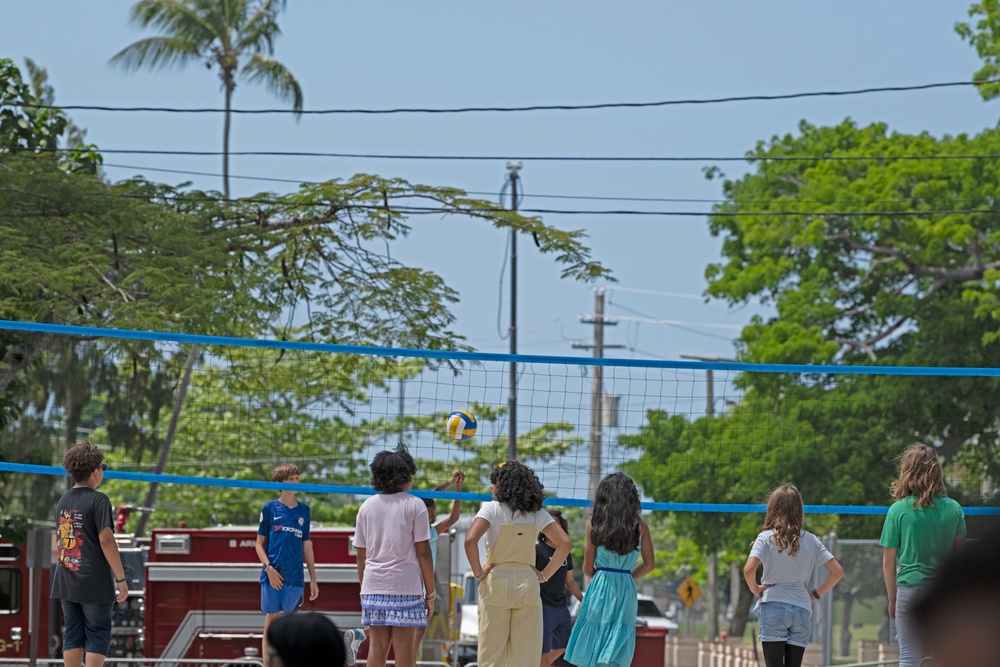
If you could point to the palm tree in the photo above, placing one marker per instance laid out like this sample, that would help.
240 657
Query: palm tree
234 36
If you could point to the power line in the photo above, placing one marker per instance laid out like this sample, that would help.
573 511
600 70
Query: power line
417 210
643 317
650 292
537 107
527 158
674 200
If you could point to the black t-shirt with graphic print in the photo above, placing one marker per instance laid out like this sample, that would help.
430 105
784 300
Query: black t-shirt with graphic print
82 573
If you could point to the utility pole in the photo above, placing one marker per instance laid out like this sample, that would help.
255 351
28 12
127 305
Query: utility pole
713 558
599 321
513 168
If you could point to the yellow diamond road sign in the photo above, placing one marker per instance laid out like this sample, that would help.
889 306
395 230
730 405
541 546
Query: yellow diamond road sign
689 592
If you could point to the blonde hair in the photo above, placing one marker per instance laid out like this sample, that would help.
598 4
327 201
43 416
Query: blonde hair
920 475
785 514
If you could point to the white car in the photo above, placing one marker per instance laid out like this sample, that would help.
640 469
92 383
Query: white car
648 614
468 633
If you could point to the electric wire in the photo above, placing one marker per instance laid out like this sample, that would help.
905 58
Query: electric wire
516 109
438 210
669 324
669 200
524 158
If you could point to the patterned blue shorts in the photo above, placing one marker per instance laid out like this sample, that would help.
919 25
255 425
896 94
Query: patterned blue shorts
399 611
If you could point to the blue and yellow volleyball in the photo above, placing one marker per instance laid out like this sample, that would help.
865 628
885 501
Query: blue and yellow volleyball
462 425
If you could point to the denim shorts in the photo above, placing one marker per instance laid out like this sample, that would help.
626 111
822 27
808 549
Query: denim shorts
88 626
783 622
287 599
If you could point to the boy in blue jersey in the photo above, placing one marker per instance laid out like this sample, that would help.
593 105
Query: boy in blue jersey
283 541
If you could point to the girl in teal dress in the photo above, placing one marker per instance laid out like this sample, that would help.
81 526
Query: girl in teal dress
604 633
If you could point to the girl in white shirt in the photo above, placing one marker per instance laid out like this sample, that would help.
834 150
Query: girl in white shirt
788 554
510 608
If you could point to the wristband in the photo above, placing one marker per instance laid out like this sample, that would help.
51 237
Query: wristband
118 581
815 593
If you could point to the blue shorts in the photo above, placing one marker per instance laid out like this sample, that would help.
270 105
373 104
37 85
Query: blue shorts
556 627
88 626
783 622
287 599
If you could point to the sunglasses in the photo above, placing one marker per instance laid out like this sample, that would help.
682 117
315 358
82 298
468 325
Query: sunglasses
104 466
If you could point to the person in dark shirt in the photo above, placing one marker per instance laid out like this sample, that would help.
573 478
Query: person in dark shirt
556 621
89 567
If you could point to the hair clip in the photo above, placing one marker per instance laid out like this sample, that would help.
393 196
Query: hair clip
501 464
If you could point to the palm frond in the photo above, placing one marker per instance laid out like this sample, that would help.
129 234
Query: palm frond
258 32
227 15
156 52
275 77
189 20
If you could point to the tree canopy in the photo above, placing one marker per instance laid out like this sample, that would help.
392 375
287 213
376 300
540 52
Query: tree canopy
868 257
135 254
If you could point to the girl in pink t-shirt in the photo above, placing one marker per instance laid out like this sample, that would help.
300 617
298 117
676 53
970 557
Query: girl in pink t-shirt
394 560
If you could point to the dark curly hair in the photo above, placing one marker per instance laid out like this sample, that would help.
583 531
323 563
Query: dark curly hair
560 519
81 460
517 486
615 521
392 469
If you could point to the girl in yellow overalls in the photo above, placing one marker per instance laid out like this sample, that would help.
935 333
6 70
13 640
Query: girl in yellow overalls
510 609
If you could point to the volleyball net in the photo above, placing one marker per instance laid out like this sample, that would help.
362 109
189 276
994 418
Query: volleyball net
207 419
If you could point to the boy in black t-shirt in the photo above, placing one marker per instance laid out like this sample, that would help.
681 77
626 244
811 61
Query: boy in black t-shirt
556 621
89 566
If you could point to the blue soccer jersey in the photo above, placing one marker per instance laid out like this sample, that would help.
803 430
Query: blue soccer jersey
284 530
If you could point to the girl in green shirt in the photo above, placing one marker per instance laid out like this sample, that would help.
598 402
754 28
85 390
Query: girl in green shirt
921 528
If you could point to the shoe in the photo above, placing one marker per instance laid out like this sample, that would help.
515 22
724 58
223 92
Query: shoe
352 641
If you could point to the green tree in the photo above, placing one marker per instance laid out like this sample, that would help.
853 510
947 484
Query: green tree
234 36
27 133
46 94
77 250
866 259
984 36
875 260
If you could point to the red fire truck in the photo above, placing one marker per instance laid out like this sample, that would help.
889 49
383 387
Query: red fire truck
198 595
26 612
203 591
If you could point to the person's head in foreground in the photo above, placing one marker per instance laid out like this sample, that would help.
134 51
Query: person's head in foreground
958 616
305 639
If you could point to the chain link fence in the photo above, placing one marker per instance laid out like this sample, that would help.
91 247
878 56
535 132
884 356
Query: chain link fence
855 614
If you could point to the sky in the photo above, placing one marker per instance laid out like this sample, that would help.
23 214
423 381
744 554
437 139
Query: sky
455 54
448 53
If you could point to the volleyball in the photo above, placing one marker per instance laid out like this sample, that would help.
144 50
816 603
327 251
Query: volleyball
462 425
